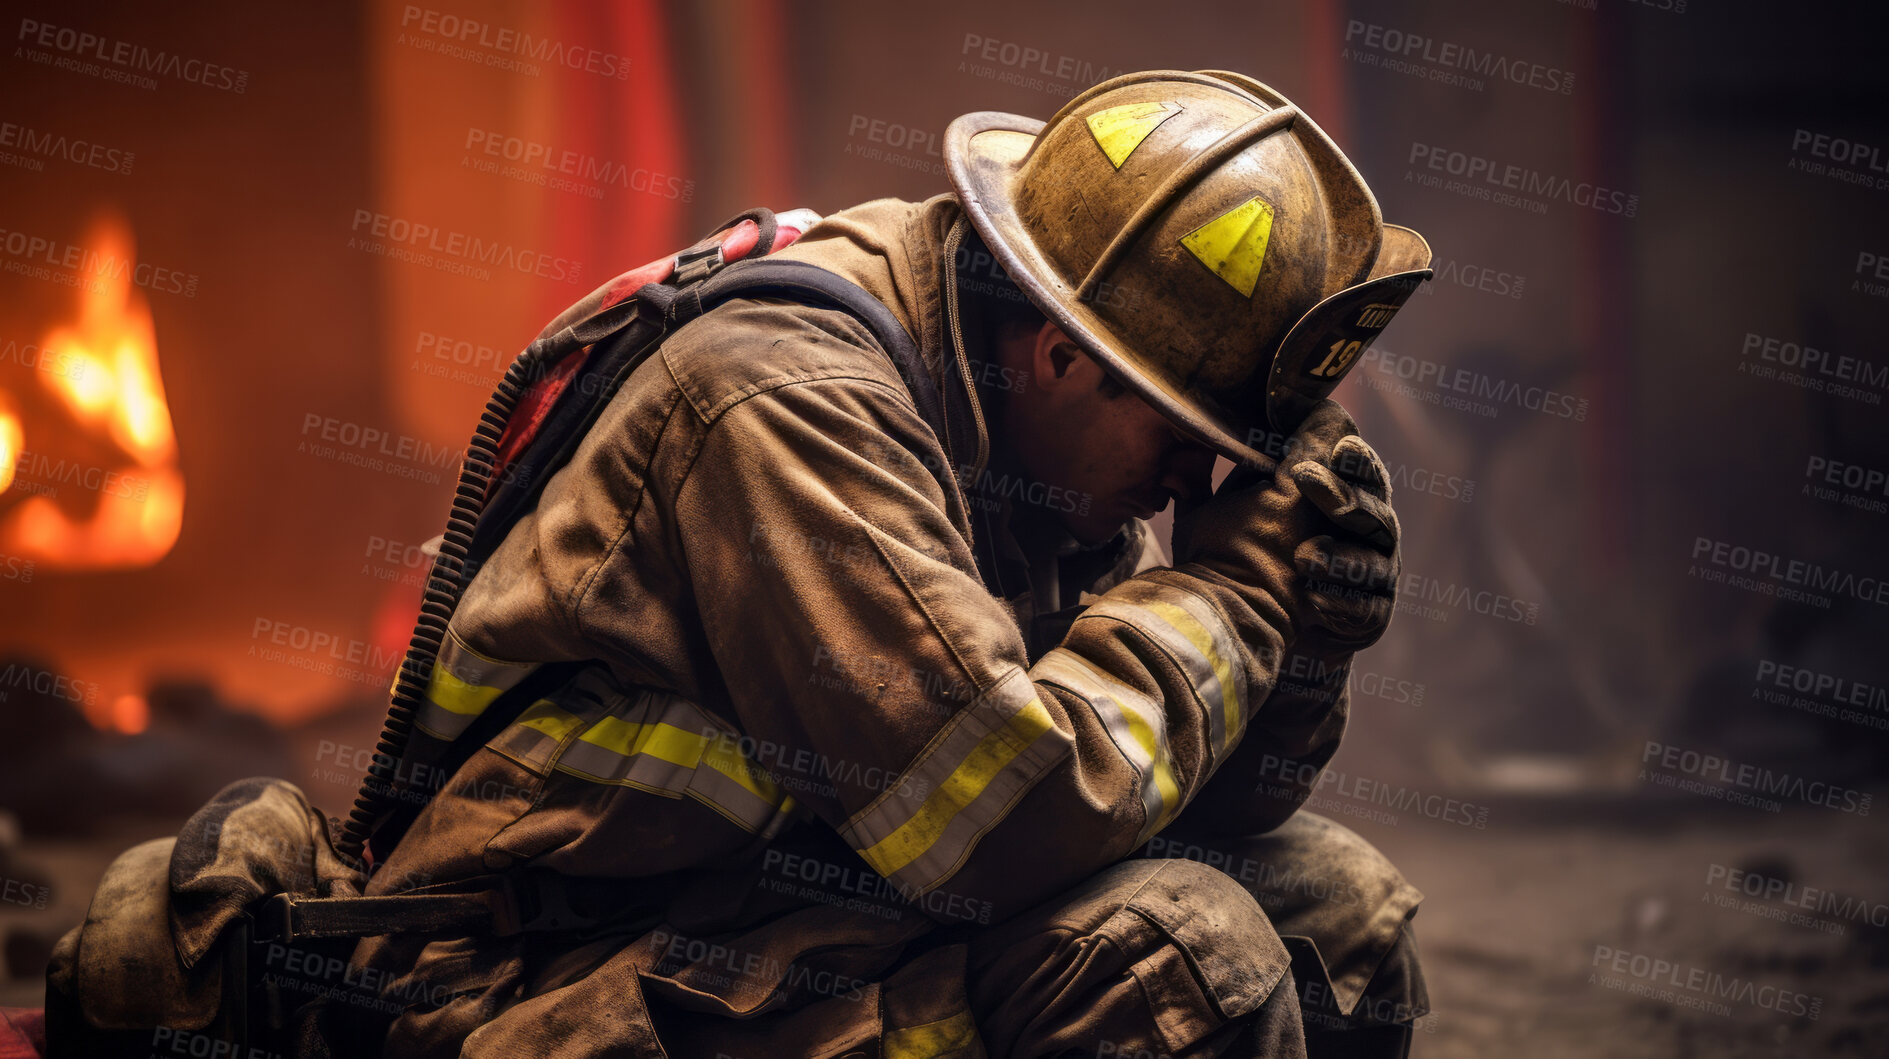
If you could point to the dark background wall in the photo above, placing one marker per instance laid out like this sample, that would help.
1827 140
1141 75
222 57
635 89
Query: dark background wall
1615 467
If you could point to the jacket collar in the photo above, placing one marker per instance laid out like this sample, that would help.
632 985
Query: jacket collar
901 253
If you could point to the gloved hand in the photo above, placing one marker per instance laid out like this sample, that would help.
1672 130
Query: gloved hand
1317 534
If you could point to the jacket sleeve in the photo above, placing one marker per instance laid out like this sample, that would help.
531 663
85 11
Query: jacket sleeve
1276 768
846 618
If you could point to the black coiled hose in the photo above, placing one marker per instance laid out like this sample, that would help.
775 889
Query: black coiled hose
446 581
444 584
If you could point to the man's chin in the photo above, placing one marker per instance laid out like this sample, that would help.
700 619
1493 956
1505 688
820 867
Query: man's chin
1091 531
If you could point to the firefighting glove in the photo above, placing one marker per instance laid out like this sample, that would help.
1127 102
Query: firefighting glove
1317 532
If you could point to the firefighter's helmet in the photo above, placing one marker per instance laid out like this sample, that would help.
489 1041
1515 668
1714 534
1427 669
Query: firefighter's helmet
1199 236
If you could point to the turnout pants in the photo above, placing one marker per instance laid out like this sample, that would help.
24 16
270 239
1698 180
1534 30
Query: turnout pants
1282 945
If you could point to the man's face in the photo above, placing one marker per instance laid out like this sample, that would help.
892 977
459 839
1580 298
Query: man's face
1112 453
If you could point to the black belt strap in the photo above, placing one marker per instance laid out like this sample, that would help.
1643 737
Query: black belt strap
501 906
287 917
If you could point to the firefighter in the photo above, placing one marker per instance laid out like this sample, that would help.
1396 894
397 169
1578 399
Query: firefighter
874 759
816 751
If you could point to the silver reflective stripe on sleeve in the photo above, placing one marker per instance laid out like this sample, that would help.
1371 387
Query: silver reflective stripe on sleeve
921 830
463 684
1192 633
1136 724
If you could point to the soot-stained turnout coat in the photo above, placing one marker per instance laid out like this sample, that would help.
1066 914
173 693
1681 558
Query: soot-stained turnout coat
840 722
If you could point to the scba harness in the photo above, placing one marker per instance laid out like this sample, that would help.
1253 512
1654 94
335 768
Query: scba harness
232 936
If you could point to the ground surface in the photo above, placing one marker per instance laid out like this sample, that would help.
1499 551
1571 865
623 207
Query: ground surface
1515 917
1512 920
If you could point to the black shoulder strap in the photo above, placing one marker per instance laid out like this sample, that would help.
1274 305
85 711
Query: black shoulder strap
626 333
622 335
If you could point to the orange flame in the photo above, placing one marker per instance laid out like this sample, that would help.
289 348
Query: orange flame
11 441
107 378
131 714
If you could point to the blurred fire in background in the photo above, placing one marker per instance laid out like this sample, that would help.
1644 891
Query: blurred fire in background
103 370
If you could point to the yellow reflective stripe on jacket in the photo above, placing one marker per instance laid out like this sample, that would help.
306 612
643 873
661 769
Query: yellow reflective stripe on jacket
964 782
547 717
946 1037
463 684
665 747
1136 724
1190 632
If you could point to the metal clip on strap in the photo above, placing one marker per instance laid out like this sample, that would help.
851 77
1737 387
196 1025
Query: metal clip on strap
698 264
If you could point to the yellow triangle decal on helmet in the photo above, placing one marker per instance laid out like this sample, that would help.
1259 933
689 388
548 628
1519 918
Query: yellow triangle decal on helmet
1121 129
1233 244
